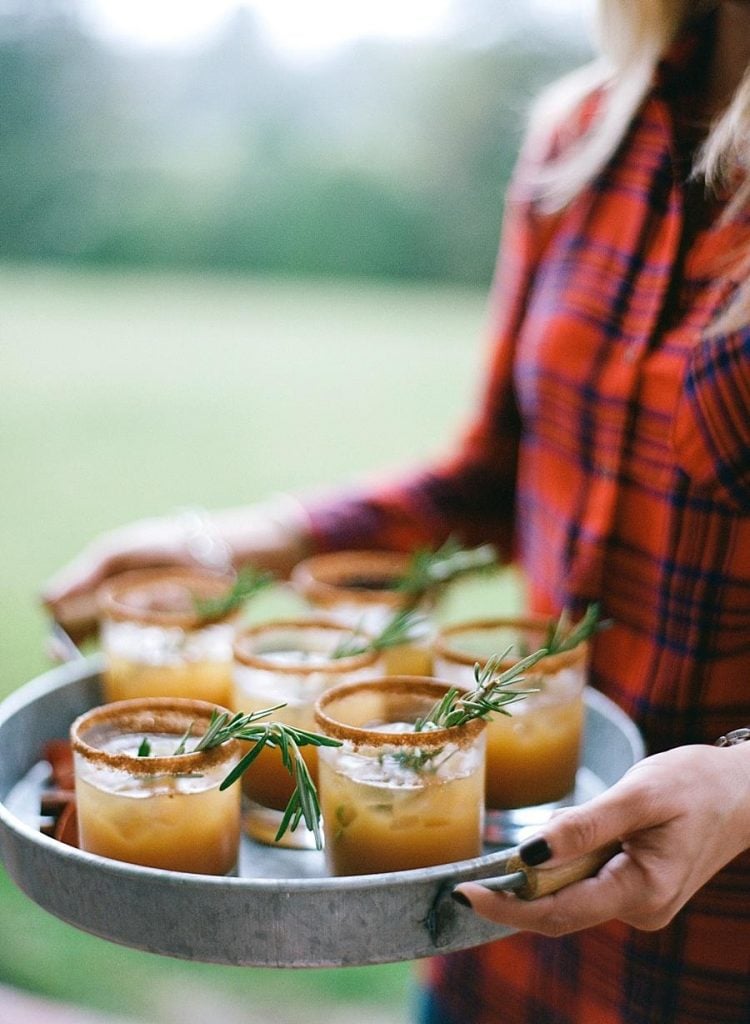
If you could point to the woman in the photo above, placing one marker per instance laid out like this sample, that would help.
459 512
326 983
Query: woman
611 456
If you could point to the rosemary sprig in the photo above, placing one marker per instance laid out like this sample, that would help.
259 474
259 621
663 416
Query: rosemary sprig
397 631
426 569
563 635
223 726
493 692
455 708
303 804
490 695
248 583
451 561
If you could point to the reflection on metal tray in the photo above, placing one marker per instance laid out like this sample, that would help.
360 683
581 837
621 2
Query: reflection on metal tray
282 909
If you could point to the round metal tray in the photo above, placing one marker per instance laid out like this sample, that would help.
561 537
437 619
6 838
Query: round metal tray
282 909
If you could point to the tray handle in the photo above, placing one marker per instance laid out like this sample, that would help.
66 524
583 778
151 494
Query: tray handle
527 882
532 883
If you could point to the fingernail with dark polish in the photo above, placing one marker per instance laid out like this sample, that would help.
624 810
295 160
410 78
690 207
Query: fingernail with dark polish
534 852
460 898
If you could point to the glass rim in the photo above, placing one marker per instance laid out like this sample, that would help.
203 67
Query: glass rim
461 735
538 623
322 578
168 714
332 666
112 605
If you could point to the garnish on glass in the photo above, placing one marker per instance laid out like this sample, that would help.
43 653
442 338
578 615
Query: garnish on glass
248 582
223 726
492 693
564 635
397 631
428 569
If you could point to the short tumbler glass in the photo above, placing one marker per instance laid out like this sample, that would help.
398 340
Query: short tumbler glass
392 798
360 589
533 754
157 643
161 810
290 662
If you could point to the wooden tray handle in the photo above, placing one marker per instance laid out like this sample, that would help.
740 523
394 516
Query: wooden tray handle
543 881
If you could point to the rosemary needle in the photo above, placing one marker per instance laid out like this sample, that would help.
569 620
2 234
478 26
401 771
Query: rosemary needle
303 804
397 630
224 726
248 583
493 691
428 569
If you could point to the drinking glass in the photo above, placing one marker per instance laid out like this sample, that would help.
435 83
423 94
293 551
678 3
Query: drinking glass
533 754
360 589
156 641
161 810
393 798
290 662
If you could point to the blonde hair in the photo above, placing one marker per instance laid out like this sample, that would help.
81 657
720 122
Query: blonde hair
632 36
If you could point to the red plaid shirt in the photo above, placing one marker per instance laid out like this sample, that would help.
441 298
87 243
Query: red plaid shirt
611 456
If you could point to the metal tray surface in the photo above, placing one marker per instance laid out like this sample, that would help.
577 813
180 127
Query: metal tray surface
282 909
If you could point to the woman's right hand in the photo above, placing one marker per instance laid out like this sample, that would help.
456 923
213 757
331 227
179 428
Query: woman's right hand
273 536
678 816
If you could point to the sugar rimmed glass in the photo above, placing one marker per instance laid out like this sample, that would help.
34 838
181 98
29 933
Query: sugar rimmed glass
392 798
161 810
534 753
155 641
360 589
290 662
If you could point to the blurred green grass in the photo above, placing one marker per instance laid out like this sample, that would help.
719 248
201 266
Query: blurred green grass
132 395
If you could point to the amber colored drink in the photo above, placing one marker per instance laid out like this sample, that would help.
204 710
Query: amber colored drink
162 810
290 662
267 781
413 659
155 641
532 755
127 679
372 827
359 589
270 783
391 798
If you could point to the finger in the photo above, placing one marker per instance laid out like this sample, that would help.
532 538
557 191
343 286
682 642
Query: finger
77 615
79 577
581 905
631 805
86 573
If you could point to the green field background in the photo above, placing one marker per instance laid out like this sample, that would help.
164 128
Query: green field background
134 395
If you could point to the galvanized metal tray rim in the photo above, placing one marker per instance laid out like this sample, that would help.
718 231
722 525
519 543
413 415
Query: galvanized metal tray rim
398 905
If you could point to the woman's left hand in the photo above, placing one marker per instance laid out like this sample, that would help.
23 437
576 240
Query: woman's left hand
679 817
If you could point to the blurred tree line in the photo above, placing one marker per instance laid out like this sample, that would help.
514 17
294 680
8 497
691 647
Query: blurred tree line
383 158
